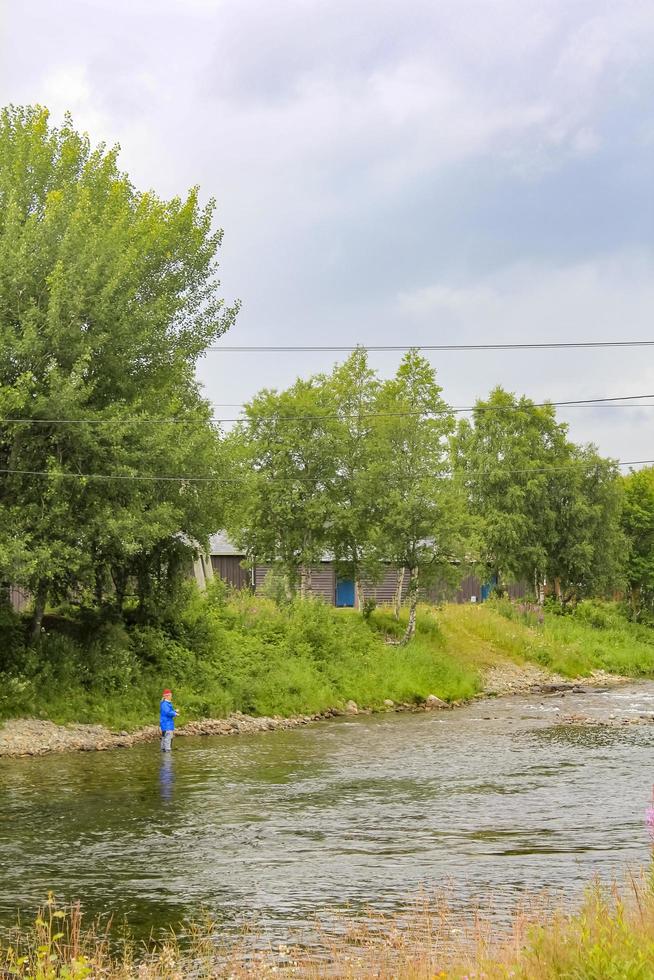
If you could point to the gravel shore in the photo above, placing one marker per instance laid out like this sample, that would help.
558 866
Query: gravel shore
33 736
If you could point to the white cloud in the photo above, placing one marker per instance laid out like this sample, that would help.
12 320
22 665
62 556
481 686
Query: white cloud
604 299
332 133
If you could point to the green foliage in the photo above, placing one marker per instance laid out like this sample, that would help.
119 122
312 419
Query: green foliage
595 635
422 525
246 654
276 586
285 456
355 466
638 524
549 510
108 296
610 938
358 492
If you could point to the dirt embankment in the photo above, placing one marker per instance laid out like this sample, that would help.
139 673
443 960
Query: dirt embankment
32 736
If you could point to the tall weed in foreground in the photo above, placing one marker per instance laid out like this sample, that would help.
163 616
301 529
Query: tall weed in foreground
611 937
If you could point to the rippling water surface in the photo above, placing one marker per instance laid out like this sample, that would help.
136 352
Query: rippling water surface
496 797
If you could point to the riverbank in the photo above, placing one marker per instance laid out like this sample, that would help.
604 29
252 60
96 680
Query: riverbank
36 737
245 662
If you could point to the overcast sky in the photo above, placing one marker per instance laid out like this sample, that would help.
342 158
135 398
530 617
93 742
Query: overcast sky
389 172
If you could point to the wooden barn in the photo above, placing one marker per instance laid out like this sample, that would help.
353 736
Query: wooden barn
228 563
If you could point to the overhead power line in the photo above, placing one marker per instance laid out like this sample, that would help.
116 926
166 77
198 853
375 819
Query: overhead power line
613 402
291 479
548 345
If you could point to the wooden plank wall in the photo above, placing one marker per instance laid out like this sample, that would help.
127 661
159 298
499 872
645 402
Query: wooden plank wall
323 580
229 568
19 599
384 592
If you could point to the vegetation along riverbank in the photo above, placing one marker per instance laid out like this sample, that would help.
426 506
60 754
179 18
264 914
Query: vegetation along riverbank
242 663
610 936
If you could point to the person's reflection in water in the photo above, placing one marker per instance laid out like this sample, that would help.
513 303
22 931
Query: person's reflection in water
166 776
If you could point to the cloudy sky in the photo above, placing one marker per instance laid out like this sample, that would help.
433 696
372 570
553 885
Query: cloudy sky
390 172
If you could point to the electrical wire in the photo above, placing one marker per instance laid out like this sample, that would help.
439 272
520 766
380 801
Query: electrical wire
456 409
548 345
290 479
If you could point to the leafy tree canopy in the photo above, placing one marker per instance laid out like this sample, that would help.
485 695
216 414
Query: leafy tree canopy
108 296
638 524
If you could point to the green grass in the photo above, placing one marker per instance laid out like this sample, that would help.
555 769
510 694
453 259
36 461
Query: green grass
592 637
247 654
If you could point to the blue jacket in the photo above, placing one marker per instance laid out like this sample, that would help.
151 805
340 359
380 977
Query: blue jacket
167 715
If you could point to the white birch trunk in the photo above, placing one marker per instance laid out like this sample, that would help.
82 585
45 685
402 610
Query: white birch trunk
413 606
397 598
305 582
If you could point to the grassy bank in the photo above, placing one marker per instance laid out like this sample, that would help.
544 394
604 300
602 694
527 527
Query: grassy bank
611 937
594 636
222 654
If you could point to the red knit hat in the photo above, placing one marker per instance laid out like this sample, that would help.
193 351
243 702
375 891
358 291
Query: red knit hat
166 692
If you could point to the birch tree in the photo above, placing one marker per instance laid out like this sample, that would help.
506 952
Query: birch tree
357 493
586 553
284 456
504 456
422 525
549 508
638 526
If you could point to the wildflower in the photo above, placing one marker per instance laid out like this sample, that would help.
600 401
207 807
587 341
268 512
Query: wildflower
649 815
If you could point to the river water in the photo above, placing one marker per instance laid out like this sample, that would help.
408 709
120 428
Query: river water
498 797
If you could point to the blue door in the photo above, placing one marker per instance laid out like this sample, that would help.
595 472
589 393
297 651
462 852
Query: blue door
345 592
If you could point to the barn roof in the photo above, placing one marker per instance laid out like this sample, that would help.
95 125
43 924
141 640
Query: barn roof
220 544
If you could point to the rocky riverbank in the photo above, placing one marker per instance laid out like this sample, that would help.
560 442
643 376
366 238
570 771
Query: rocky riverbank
32 736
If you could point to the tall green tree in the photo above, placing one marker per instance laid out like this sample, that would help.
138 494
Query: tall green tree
504 456
638 525
422 526
108 296
284 455
357 492
549 509
587 550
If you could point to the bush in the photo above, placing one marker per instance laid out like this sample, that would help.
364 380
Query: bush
600 615
520 611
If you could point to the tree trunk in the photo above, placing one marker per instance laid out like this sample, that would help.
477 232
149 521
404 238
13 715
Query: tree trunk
40 599
557 591
99 590
634 599
361 595
539 588
119 577
305 582
413 606
397 598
